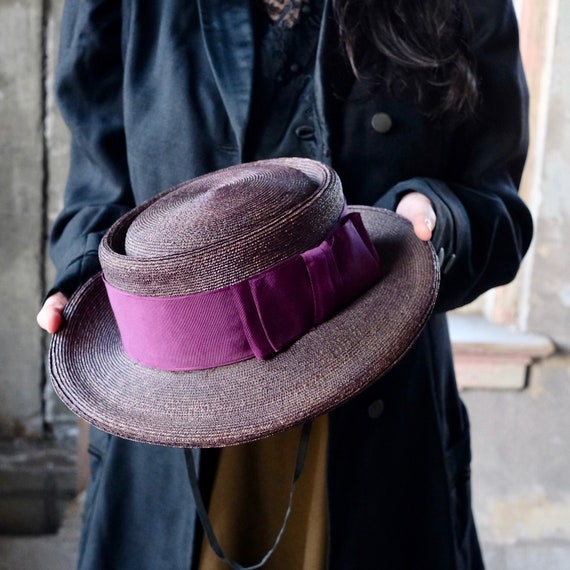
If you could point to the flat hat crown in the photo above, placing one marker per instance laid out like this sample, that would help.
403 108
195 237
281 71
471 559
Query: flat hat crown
221 228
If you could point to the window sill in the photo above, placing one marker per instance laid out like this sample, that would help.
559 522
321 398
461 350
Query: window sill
489 356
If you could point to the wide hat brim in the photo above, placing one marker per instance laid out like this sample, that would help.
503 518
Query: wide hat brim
249 400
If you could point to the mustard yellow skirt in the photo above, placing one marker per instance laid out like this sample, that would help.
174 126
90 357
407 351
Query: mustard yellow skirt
250 497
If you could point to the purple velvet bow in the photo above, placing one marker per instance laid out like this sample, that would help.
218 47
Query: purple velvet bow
257 317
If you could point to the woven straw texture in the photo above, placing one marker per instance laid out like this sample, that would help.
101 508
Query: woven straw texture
249 400
223 227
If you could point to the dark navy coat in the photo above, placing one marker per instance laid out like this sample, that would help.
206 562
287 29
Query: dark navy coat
158 92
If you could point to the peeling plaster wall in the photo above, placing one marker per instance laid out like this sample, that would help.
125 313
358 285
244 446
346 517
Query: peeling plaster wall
549 307
521 439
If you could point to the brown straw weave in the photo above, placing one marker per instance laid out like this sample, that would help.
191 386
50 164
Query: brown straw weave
229 225
213 231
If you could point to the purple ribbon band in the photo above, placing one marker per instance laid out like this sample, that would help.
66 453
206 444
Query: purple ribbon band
257 317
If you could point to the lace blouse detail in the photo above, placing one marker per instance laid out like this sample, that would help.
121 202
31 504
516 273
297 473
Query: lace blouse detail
281 121
284 13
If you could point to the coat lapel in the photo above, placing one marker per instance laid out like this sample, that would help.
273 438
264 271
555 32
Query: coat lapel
228 37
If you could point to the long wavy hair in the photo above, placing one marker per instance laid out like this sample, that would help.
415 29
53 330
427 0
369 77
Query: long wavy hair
420 47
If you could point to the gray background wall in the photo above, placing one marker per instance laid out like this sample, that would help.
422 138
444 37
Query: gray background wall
521 435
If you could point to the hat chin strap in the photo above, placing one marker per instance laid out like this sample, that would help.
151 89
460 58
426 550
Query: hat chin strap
205 519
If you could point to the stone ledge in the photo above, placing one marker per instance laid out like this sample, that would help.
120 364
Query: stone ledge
489 356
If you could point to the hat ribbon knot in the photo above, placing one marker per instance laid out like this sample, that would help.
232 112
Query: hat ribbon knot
256 317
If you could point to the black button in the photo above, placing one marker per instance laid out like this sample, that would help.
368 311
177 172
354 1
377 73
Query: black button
381 123
294 68
305 132
375 409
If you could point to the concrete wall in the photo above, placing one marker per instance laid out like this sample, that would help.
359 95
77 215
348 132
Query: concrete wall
520 470
37 459
21 216
520 437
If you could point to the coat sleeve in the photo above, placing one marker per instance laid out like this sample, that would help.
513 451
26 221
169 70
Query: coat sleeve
89 92
483 228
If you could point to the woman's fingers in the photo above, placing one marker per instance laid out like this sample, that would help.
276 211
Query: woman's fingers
414 206
49 317
418 209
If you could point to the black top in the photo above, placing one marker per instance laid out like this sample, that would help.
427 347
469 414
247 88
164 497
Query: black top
284 84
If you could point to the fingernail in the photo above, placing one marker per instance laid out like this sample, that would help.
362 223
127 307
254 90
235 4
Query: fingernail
428 224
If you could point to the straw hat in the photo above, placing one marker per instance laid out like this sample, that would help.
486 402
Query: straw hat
239 304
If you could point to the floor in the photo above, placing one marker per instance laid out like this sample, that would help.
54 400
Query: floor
46 552
59 551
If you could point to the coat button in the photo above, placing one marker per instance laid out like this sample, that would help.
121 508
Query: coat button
375 409
305 132
381 123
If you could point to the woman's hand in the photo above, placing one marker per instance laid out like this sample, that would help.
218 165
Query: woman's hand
418 209
49 317
414 206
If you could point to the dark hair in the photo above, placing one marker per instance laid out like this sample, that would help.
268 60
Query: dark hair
412 46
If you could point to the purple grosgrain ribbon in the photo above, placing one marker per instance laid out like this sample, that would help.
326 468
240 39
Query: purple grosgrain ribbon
257 317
